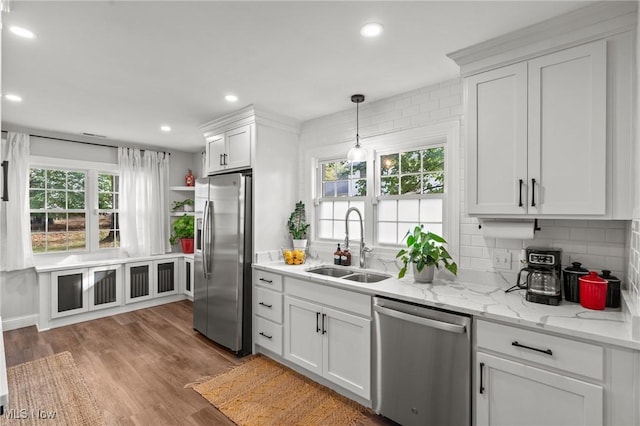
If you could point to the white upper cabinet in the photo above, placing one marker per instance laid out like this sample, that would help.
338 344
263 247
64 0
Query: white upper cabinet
567 131
537 135
230 150
548 129
497 140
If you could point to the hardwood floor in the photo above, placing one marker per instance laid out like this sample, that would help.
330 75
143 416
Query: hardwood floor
137 364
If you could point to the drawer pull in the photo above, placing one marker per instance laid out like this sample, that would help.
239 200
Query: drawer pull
317 322
266 335
265 305
266 280
544 351
481 378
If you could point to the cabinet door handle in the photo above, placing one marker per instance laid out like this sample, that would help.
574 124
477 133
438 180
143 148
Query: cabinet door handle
533 192
221 163
324 330
544 351
224 159
265 305
265 335
266 280
520 198
317 322
481 377
5 180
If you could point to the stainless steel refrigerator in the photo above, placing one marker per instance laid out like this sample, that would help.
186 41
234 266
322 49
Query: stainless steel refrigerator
222 284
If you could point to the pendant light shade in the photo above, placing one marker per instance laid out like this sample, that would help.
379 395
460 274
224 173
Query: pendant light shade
357 153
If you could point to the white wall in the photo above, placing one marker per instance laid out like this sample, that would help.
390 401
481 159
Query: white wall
597 244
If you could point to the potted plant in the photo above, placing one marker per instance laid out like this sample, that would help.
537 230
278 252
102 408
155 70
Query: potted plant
185 205
298 226
183 231
425 251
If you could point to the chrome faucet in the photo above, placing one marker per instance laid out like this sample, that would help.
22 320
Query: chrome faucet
363 249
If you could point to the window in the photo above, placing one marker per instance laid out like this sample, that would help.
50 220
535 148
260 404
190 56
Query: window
60 202
343 185
108 219
410 190
58 214
411 193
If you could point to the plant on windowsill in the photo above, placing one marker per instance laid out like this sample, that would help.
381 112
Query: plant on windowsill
183 231
298 226
186 205
425 251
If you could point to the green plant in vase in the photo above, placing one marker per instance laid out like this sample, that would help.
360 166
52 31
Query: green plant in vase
425 251
186 205
297 223
183 231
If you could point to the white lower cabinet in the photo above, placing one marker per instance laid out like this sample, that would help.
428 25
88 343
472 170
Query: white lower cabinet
525 377
329 342
513 393
188 275
267 310
75 291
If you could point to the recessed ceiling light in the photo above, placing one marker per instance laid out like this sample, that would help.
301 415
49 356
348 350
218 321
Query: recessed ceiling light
165 128
231 98
371 29
22 32
13 98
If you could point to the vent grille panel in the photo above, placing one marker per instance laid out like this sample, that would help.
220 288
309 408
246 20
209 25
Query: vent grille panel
139 278
104 287
165 277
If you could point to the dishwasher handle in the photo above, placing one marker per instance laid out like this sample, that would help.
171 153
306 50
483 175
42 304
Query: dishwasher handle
441 325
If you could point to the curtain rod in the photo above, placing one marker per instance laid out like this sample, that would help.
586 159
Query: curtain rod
82 142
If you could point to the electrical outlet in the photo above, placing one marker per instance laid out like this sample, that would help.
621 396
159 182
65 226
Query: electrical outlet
501 259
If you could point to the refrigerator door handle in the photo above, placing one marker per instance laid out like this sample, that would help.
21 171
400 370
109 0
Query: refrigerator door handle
205 243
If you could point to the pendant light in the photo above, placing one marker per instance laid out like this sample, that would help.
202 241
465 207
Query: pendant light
357 154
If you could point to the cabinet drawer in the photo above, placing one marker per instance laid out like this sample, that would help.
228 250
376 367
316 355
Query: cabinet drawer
268 335
268 279
346 300
268 304
565 354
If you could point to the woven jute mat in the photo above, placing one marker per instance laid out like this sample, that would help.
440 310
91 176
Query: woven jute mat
263 392
49 391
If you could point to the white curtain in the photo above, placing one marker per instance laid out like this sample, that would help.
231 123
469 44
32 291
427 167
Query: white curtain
15 228
144 206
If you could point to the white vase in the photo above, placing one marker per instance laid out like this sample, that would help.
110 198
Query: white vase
424 276
300 244
188 208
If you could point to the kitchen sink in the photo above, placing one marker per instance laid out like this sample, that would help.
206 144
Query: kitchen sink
367 277
347 274
331 271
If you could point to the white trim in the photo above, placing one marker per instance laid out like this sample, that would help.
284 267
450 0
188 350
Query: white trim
19 322
449 131
64 163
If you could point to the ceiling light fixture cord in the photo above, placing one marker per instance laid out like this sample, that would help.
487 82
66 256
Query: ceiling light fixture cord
357 154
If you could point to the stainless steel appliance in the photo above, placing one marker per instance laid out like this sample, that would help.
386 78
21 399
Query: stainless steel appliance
542 280
422 364
222 284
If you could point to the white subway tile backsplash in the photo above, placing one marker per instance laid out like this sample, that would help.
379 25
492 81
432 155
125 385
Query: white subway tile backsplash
587 234
615 235
604 249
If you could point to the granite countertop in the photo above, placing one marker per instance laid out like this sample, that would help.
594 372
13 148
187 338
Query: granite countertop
482 294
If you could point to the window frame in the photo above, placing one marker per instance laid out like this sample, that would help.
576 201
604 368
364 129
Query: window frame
445 133
91 169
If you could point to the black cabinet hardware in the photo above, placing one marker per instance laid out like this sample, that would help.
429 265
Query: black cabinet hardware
5 180
324 330
221 163
544 351
224 159
265 280
520 199
265 305
266 335
481 377
533 192
317 322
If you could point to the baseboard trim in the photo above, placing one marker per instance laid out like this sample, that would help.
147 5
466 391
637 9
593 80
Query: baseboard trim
19 322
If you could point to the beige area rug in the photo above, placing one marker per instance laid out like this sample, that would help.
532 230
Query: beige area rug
49 391
263 392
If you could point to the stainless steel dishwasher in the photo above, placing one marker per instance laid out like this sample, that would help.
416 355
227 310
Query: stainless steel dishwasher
422 364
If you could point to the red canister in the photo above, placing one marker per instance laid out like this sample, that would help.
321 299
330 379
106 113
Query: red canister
593 291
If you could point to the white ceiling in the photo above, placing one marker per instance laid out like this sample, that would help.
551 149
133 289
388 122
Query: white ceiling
122 69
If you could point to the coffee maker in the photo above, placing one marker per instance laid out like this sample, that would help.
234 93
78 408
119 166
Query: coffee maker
541 276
